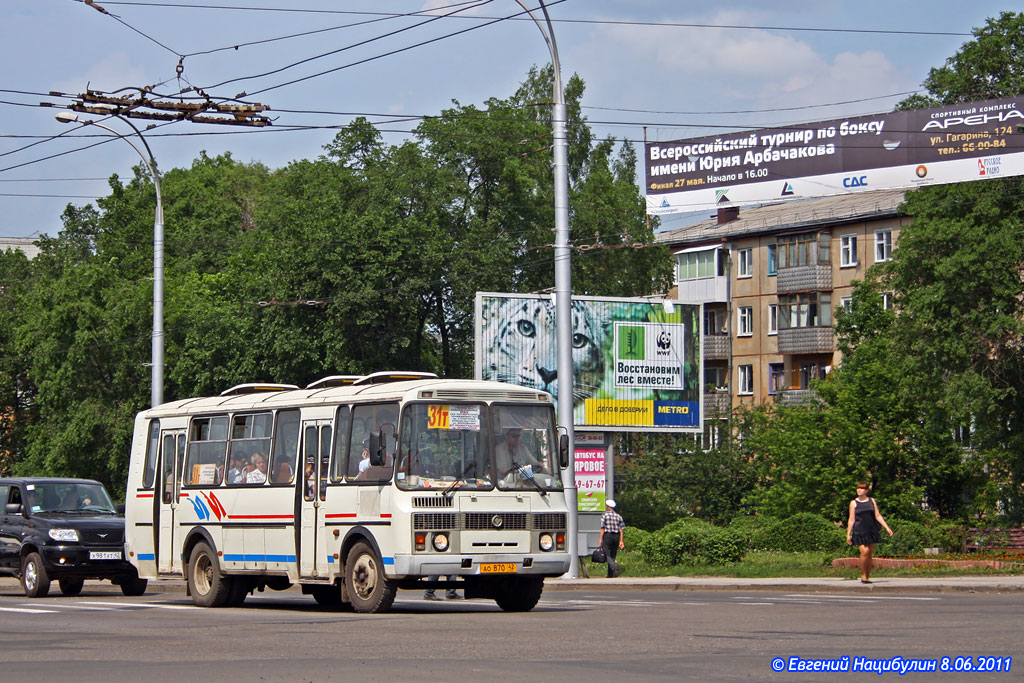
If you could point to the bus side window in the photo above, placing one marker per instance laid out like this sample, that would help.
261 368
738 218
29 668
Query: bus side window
286 447
341 442
152 454
207 449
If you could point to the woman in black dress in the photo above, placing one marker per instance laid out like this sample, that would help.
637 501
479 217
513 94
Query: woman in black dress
862 528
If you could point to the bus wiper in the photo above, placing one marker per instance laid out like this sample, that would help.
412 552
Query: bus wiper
451 487
528 476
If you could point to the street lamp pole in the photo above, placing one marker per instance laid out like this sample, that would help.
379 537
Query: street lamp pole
563 283
157 355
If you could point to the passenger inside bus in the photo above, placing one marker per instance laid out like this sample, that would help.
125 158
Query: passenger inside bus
258 471
282 472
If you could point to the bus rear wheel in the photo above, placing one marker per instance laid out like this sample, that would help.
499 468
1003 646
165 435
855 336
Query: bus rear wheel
368 590
519 595
205 583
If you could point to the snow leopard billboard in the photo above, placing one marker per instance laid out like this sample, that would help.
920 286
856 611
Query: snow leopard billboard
636 366
901 149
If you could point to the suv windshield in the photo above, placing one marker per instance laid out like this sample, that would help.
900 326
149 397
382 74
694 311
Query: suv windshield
70 497
443 446
525 447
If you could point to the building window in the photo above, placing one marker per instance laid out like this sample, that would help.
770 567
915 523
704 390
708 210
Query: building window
698 264
810 371
806 309
886 300
715 379
883 245
847 303
714 321
773 259
806 249
746 379
847 251
744 263
773 318
744 321
776 378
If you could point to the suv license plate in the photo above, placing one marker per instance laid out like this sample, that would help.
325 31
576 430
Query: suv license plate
498 568
104 554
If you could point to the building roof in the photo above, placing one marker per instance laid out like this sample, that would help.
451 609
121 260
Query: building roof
24 244
789 216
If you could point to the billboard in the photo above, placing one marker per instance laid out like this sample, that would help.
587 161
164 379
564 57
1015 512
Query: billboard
902 149
636 367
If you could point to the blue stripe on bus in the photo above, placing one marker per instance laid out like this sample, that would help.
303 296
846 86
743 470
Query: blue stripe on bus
388 560
146 556
258 558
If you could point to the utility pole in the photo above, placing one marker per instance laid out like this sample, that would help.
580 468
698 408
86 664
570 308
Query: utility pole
563 285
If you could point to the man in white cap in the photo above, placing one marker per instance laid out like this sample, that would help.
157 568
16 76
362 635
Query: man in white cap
611 540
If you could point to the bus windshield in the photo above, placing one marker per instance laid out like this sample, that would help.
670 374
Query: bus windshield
444 446
525 447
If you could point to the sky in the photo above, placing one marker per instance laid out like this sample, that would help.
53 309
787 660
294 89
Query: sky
674 69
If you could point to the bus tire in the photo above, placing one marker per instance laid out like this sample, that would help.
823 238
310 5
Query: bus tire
205 583
34 578
239 592
519 595
327 596
368 590
71 586
134 587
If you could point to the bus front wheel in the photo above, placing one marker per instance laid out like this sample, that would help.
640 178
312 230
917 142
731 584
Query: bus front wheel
208 587
368 589
519 595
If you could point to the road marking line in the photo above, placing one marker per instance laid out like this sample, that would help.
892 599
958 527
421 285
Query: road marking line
26 610
856 597
79 606
770 604
155 605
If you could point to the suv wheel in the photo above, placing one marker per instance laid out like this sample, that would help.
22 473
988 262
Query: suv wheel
71 586
34 578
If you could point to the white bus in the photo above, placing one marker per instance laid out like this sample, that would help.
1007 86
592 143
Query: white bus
353 487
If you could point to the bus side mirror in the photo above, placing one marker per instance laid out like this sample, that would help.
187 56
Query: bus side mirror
376 447
563 450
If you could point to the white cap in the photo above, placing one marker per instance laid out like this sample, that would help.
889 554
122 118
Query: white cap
610 503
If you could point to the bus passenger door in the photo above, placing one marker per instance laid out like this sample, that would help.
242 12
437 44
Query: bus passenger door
172 456
316 455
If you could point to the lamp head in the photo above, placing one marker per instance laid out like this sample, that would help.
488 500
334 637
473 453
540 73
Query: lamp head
67 117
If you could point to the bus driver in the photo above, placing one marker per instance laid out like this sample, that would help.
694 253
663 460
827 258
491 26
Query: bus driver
511 452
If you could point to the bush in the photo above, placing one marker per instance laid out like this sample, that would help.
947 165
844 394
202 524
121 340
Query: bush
804 532
909 538
690 542
752 529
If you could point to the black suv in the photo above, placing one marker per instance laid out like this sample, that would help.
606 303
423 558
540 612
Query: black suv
63 529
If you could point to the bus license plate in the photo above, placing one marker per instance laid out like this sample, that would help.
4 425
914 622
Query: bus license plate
498 568
104 554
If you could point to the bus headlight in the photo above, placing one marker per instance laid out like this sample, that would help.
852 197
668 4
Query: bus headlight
440 542
546 542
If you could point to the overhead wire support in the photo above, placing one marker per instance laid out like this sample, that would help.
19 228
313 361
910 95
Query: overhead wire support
144 107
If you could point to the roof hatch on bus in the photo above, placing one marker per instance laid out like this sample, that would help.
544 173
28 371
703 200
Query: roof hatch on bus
256 388
334 381
385 377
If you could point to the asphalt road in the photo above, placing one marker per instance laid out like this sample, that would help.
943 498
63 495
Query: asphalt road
572 635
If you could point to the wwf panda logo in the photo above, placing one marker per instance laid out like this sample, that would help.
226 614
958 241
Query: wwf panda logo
664 341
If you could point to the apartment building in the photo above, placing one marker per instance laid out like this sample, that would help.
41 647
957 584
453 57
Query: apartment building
771 279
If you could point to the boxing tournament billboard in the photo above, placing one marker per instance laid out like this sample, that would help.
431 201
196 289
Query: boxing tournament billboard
636 364
901 149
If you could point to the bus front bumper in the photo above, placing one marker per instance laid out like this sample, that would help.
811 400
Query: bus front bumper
534 564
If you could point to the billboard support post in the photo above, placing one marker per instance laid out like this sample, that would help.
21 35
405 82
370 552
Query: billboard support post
563 282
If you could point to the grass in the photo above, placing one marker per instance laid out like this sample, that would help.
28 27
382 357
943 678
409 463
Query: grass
759 564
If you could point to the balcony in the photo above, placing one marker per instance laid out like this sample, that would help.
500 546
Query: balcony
717 403
804 279
796 397
704 290
806 340
716 346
